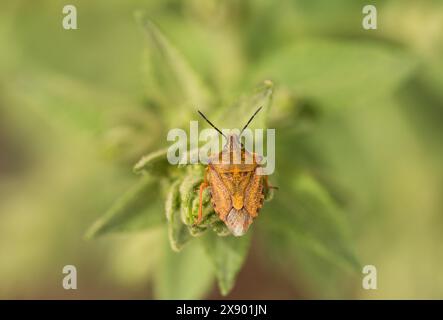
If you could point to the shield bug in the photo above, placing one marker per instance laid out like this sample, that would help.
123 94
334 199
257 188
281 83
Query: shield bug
237 189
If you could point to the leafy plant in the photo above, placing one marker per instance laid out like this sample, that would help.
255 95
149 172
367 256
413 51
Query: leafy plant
174 83
356 114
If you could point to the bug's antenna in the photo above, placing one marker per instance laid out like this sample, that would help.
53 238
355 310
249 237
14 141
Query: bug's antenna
250 120
212 125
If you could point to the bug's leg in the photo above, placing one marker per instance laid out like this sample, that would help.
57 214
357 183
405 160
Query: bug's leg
267 185
203 186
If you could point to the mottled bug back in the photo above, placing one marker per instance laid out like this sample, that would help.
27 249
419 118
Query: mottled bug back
235 184
236 188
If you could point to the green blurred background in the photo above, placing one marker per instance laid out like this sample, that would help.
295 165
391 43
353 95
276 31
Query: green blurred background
76 113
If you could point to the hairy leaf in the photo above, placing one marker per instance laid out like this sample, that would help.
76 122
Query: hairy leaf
312 221
339 73
241 111
183 275
172 83
227 255
136 210
178 232
155 163
189 191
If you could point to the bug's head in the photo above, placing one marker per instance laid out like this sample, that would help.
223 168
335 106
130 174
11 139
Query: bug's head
233 149
233 141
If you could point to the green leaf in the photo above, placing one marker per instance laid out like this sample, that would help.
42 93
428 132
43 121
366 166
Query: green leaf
188 192
136 210
178 232
130 133
172 83
237 115
64 103
312 221
339 73
227 255
154 163
183 275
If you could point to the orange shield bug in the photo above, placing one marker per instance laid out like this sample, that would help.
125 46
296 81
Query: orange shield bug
237 190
